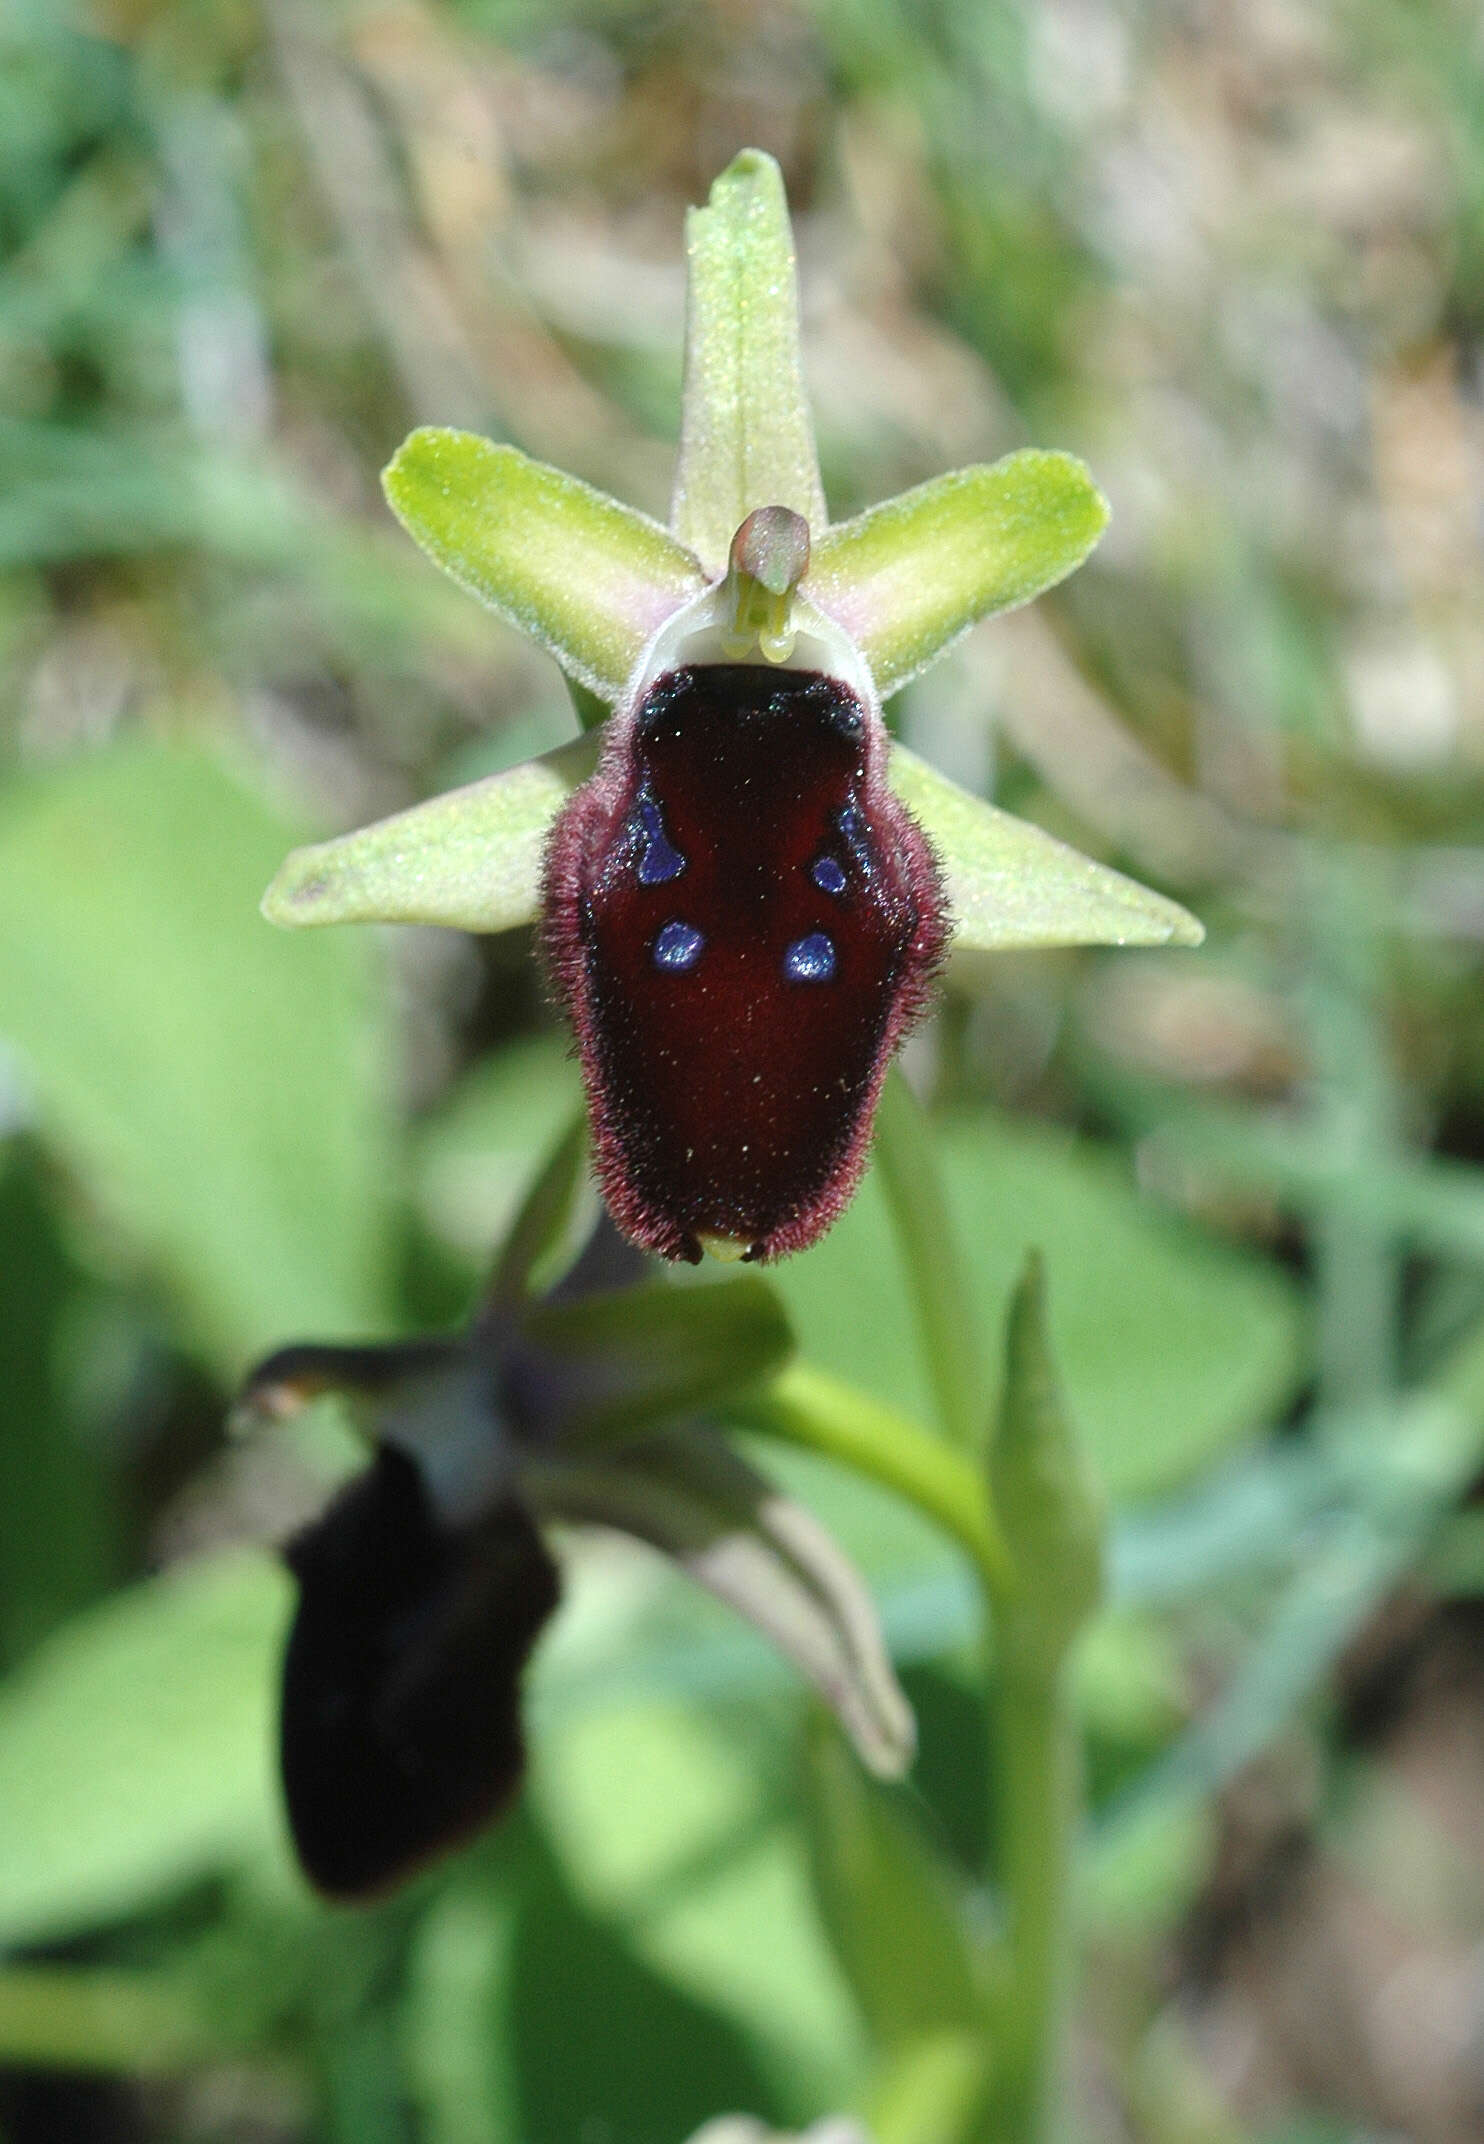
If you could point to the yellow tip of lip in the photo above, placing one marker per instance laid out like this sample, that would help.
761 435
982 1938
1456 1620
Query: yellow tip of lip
727 1248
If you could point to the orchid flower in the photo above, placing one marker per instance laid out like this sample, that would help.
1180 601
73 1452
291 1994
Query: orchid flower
425 1585
745 885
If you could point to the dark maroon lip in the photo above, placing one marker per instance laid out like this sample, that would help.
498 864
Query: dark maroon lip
400 1726
742 922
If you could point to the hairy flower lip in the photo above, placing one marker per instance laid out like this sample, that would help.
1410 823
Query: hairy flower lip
732 1146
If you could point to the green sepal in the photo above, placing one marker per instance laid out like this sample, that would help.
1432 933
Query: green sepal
1010 885
163 1691
469 859
690 1495
1049 1501
746 435
643 1356
907 577
587 578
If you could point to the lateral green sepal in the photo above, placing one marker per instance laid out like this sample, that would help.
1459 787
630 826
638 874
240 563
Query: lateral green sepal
469 859
1010 885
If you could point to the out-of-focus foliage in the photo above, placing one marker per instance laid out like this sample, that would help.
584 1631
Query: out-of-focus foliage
1230 256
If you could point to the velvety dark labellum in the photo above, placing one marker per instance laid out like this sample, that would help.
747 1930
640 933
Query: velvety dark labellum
400 1717
736 1015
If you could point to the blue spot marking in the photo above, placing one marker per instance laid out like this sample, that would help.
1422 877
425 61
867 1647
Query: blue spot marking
857 840
810 960
828 875
678 947
660 860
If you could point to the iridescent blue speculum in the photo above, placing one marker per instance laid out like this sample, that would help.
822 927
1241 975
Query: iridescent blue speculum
742 922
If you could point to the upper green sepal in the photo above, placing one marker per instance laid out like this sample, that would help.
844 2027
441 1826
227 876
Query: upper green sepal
907 577
1012 886
587 578
746 435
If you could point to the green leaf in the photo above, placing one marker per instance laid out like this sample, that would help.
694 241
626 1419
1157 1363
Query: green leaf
587 578
1045 1493
1012 886
893 1909
633 2052
707 1874
645 1355
217 1090
1171 1342
470 859
135 1749
1309 1164
62 1525
1406 1483
746 435
907 577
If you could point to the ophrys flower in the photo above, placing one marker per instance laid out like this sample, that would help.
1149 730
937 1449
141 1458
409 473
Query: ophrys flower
427 1582
747 894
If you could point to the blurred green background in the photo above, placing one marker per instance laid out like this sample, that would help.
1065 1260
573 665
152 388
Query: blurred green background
1233 256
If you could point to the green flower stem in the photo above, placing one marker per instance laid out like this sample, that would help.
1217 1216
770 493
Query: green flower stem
1033 1730
931 1263
809 1407
1037 1804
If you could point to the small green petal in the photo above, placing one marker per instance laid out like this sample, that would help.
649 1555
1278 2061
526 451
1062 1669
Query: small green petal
908 576
1011 886
746 436
470 859
587 578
